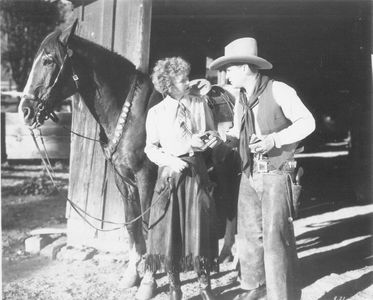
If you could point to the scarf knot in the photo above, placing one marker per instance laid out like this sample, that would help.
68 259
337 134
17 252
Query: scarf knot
247 123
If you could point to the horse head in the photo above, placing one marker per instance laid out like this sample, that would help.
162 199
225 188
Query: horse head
50 80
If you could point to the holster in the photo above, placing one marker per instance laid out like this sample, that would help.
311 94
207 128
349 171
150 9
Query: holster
296 190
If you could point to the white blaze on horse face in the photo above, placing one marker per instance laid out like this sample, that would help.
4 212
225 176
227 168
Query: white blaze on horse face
27 90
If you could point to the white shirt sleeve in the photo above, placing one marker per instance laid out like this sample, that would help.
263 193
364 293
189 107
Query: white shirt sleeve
152 148
301 118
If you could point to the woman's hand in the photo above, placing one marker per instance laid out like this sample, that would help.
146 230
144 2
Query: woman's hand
207 139
199 87
196 140
214 139
177 164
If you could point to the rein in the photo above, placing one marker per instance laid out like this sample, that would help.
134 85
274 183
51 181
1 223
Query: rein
82 213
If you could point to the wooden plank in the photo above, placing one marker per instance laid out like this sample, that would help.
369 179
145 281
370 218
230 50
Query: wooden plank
132 31
56 229
3 132
114 207
56 147
106 30
82 152
15 128
20 145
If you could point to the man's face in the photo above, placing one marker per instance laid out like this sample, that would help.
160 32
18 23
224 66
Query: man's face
237 75
180 86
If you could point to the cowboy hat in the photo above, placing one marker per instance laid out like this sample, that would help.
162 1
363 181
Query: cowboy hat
239 51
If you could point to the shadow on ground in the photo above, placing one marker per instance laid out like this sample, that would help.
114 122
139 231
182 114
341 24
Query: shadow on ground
350 288
343 258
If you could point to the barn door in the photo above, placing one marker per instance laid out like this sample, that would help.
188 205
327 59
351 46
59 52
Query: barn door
123 27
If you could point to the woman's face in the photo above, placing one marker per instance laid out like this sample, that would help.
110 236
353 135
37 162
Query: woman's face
180 86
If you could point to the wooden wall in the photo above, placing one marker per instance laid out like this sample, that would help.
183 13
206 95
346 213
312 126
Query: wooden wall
124 27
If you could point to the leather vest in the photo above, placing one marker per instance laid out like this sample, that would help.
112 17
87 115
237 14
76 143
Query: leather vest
271 119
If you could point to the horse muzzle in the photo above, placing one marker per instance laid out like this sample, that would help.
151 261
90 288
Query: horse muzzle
27 111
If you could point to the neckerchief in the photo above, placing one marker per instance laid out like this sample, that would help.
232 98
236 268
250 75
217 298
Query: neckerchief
184 117
247 122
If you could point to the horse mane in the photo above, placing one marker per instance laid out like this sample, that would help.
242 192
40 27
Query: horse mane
51 42
111 59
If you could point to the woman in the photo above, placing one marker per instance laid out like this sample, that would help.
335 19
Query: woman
181 227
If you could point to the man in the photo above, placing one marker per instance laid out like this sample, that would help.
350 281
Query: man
269 121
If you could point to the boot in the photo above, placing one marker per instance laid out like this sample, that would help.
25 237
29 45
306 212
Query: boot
225 255
130 277
205 286
147 287
175 286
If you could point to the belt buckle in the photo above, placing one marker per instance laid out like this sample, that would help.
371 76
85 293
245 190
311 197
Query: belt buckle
262 166
292 164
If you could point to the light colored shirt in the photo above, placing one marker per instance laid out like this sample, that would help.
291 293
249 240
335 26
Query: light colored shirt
164 135
293 108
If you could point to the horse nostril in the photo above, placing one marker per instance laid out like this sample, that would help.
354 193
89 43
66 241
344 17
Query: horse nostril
26 112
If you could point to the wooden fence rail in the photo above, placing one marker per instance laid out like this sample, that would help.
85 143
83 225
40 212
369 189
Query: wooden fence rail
17 143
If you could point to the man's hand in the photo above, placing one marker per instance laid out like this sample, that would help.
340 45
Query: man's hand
177 164
214 139
263 146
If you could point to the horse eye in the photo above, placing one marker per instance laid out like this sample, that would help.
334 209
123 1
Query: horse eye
47 60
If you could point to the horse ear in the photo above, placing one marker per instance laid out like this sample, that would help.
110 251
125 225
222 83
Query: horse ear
68 33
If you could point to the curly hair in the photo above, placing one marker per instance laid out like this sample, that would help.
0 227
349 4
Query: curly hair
167 69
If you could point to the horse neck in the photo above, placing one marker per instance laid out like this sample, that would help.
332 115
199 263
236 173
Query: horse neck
104 81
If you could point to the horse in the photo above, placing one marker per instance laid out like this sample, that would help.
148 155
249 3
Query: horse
118 96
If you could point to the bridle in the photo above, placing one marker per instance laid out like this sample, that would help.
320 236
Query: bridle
45 111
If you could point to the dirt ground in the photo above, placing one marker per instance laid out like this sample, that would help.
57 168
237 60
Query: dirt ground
334 241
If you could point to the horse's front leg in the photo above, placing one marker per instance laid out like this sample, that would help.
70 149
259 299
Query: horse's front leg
132 209
145 179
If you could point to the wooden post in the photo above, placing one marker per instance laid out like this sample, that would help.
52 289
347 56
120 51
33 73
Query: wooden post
3 133
124 27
